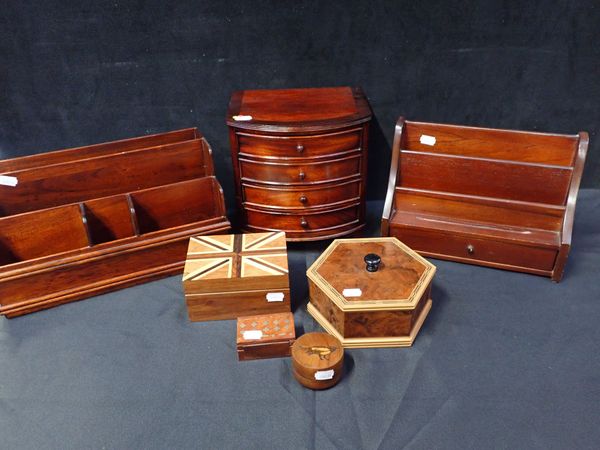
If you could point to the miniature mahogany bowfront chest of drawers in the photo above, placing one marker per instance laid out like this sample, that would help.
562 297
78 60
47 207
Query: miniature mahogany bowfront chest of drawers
228 276
372 292
300 160
498 198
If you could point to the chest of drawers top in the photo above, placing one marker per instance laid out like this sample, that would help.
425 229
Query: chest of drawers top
298 110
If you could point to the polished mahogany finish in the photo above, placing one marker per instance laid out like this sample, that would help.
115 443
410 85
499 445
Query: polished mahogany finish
317 360
497 198
370 292
299 158
265 336
228 276
84 221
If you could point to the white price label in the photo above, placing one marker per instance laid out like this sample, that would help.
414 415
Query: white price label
242 118
324 374
427 140
275 296
6 180
354 292
252 335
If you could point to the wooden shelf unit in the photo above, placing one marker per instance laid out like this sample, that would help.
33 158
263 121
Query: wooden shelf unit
88 220
498 198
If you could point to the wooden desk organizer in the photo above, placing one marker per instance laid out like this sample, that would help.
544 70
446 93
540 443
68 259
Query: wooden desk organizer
497 198
89 220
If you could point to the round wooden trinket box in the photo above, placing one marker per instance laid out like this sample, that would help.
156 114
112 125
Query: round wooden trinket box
317 360
370 292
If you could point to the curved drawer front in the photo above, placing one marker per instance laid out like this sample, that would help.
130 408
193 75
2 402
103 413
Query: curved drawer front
273 147
299 173
269 197
303 222
477 249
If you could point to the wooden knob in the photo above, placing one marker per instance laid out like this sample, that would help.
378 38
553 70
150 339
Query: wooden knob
303 223
373 260
470 249
300 148
303 199
302 175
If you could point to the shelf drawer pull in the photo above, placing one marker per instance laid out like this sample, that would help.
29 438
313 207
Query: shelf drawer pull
470 249
303 223
303 199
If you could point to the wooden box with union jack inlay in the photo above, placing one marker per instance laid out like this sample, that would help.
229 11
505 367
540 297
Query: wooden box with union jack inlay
227 276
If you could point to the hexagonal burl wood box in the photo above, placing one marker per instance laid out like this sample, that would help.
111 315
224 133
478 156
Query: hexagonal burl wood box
372 292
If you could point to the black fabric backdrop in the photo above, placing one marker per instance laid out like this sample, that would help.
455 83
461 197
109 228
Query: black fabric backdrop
76 73
504 360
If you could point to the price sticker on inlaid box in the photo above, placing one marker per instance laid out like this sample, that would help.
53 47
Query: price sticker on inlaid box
322 375
275 296
251 335
352 292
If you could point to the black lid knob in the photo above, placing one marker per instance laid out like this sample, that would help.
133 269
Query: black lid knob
373 262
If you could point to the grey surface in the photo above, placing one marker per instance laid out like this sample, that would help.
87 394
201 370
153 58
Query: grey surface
504 360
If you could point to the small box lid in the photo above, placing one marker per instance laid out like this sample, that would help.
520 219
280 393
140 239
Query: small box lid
236 262
265 328
371 274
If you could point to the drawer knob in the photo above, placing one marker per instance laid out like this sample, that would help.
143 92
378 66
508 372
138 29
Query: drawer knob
303 199
300 148
373 260
303 223
470 249
302 175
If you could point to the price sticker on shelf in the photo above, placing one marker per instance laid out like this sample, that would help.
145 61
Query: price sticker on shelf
6 180
427 140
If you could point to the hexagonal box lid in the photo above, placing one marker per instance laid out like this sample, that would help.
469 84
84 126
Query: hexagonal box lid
372 274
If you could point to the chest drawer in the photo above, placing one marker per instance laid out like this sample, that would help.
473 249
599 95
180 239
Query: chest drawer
477 249
301 198
303 222
300 173
273 147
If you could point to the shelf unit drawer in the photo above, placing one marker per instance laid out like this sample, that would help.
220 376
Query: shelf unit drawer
307 197
317 146
474 250
300 173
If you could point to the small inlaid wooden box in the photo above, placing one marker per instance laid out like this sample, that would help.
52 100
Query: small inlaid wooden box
265 336
317 360
370 292
228 276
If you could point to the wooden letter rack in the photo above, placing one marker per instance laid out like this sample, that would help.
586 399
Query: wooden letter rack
88 220
497 198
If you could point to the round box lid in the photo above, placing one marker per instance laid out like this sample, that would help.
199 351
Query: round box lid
371 274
